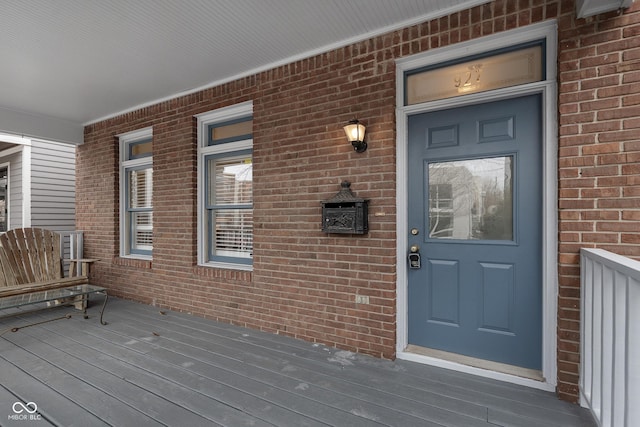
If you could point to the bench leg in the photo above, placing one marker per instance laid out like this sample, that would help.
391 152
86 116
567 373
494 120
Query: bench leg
80 303
104 305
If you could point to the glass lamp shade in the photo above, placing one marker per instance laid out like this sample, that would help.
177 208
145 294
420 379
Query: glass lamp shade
354 131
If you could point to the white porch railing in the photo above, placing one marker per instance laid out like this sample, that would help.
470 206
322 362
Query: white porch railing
610 338
71 249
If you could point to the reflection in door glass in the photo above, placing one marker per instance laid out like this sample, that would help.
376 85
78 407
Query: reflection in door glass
471 199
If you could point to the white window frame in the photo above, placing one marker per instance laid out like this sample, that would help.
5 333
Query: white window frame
23 149
126 140
204 120
7 201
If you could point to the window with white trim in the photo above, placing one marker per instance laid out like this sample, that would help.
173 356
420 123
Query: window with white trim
225 187
136 194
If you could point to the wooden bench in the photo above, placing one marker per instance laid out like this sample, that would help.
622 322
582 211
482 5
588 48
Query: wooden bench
31 261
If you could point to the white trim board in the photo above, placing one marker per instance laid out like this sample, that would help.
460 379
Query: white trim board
26 185
548 89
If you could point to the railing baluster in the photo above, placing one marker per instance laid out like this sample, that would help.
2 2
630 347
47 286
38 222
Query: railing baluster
75 249
610 338
632 397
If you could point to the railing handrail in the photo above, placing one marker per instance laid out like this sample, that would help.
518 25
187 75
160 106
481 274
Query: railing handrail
625 265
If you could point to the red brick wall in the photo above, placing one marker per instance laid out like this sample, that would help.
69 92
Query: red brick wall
599 158
304 281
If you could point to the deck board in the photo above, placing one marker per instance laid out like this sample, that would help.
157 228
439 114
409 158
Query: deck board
80 383
296 373
181 384
151 390
55 408
9 398
204 356
157 367
325 406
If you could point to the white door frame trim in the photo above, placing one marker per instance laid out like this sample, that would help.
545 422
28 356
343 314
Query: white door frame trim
548 90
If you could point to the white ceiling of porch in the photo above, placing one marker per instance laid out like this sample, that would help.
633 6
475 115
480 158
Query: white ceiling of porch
74 62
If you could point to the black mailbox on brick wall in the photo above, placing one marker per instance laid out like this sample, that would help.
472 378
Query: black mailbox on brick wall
345 213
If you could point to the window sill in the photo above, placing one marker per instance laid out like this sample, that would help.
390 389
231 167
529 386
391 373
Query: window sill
225 271
227 266
132 262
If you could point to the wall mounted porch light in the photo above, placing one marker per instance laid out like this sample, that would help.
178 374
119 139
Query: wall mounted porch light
355 134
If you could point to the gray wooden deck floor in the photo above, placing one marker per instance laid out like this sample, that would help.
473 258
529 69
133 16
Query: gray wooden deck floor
153 367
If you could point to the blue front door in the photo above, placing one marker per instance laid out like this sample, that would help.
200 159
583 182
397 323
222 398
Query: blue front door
475 220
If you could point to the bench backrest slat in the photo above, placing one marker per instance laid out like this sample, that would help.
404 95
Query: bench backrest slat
29 255
7 273
31 262
53 257
12 251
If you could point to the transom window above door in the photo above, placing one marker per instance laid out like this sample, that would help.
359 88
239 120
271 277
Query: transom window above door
494 70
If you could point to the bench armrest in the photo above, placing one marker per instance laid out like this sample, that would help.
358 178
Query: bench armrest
80 267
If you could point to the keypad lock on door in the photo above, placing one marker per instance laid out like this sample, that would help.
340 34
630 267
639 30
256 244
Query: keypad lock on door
414 257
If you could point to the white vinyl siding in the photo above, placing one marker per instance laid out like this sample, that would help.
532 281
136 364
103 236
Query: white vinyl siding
41 186
53 183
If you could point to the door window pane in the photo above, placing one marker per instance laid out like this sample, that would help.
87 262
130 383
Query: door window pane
471 199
